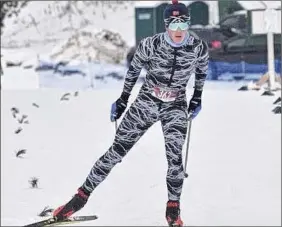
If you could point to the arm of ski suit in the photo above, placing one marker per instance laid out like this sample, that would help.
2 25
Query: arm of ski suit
201 69
195 104
141 56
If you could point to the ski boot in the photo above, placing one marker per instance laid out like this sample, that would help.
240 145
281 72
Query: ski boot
76 203
173 214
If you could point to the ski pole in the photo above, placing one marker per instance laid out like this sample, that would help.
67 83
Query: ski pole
187 146
116 124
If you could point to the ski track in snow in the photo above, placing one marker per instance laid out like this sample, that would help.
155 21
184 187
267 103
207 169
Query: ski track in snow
234 159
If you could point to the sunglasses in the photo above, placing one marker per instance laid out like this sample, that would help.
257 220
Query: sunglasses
174 26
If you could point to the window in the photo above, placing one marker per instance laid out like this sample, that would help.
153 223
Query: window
236 44
257 40
260 41
231 22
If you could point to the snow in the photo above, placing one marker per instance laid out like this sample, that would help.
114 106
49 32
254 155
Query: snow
234 167
56 20
70 30
42 28
88 76
234 162
15 79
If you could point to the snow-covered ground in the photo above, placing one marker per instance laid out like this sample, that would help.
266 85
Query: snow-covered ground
41 22
93 30
235 151
95 76
234 159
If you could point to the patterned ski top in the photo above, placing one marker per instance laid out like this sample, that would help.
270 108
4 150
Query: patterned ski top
168 66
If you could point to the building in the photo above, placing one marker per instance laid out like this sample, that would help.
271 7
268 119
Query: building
149 14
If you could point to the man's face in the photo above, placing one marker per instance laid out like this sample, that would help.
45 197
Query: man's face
177 31
177 36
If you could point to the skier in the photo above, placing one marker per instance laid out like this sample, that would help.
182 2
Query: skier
170 59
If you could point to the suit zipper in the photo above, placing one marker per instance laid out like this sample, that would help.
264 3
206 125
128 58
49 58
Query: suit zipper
172 74
173 68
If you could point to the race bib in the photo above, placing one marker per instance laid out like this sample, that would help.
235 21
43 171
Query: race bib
165 94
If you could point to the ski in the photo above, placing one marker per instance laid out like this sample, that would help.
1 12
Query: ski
70 220
175 225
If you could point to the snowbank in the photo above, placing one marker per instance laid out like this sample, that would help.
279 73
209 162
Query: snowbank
54 21
103 46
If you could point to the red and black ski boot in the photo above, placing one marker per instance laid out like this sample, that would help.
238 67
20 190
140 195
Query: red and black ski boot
76 203
173 214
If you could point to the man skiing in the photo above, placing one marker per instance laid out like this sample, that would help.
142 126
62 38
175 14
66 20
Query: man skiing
170 59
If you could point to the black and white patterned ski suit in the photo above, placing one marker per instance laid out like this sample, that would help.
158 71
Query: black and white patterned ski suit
167 67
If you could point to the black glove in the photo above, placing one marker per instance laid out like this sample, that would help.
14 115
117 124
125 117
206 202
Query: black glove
195 104
119 106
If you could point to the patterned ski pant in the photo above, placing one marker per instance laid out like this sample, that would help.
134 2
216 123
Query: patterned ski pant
141 115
